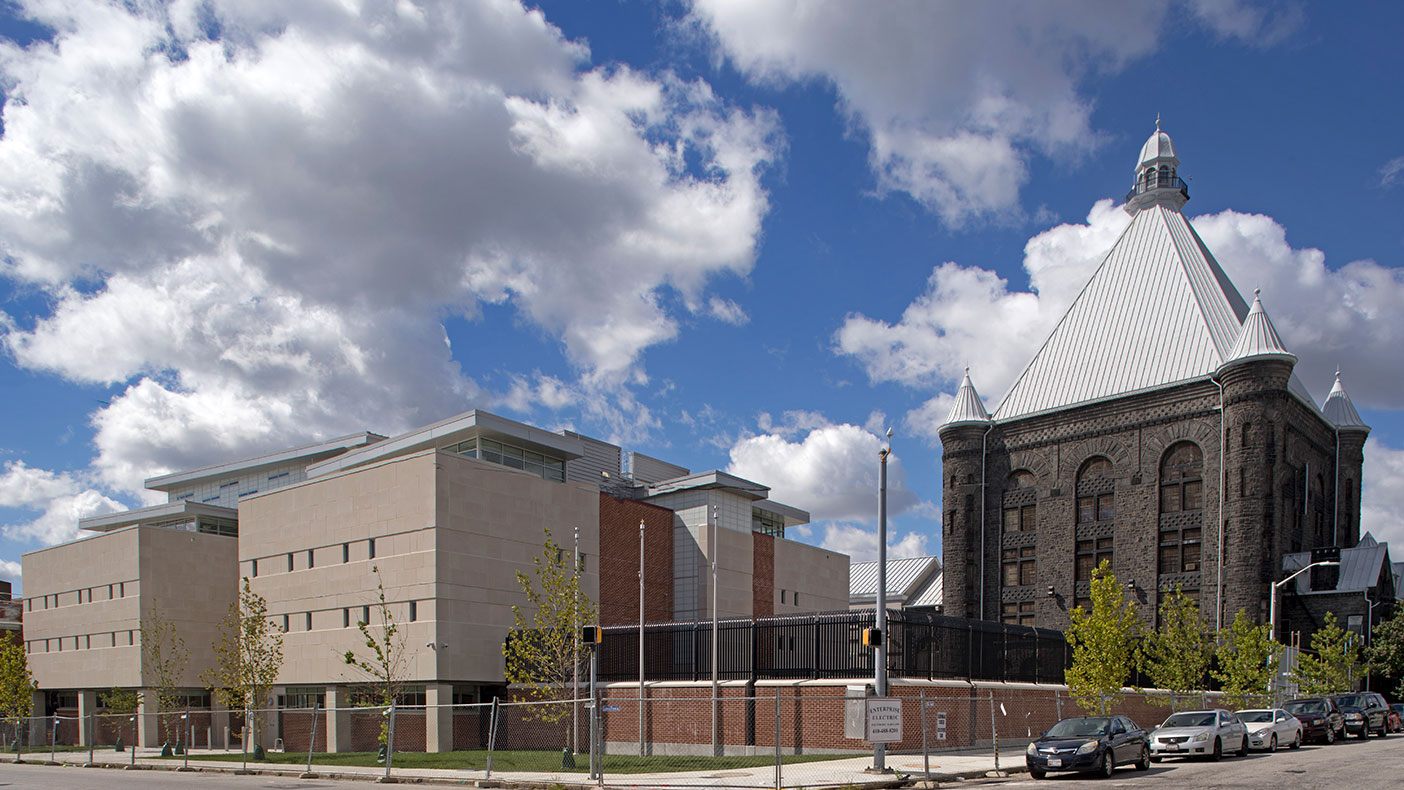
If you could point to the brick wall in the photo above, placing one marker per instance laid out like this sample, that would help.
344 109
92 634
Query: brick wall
619 561
763 575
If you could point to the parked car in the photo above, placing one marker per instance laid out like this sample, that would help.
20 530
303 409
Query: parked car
1199 733
1320 717
1396 717
1269 728
1096 743
1365 712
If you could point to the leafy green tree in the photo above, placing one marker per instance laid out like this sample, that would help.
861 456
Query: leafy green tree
1103 644
165 656
119 702
1336 654
542 651
248 655
16 685
1247 662
1176 656
1386 650
386 665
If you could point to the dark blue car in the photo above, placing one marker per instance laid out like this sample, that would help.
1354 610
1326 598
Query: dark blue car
1094 743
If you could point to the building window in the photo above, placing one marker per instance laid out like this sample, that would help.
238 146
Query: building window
290 562
311 558
1096 508
1090 554
1021 613
365 615
1020 519
109 592
371 550
309 621
1182 479
345 618
782 597
254 568
285 624
414 611
794 601
121 589
345 552
1180 550
1018 566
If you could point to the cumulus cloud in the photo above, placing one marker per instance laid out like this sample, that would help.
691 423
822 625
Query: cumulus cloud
11 570
993 91
829 469
1392 172
1382 494
60 498
861 544
257 237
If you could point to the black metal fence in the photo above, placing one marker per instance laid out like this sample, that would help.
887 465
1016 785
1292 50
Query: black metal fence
828 645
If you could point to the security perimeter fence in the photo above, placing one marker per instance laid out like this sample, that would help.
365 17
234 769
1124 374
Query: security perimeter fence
828 645
782 735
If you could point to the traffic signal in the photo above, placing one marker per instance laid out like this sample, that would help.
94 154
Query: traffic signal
872 637
590 635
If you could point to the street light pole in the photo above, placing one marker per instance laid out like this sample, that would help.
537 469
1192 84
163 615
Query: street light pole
716 544
641 638
575 655
880 616
1272 604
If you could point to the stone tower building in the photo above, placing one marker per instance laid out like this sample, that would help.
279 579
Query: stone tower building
1160 427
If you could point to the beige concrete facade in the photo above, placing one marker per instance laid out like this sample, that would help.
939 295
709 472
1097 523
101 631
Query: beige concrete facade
817 575
85 599
448 535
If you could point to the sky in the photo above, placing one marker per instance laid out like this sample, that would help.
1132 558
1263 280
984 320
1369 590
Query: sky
748 236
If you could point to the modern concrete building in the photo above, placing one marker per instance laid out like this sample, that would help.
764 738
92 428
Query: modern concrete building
1160 427
444 517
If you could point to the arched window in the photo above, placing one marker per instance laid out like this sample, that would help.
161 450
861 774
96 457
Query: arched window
1181 491
1092 506
1022 478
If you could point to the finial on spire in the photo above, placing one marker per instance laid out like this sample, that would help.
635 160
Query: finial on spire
1157 122
1256 291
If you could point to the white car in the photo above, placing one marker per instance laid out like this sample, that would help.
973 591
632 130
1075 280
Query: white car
1199 733
1269 728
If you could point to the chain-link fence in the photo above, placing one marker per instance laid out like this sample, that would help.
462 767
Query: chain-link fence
748 735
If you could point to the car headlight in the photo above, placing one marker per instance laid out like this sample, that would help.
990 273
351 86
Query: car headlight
1200 737
1032 751
1088 748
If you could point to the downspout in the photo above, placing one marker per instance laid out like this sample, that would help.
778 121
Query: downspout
1336 492
1223 477
983 528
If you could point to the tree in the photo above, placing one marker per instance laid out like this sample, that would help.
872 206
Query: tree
1386 650
1336 654
1176 656
1247 661
165 657
119 702
248 655
1103 644
542 649
16 684
386 666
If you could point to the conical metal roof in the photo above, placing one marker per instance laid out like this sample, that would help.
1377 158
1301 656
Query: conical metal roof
1339 408
1157 147
1258 339
968 409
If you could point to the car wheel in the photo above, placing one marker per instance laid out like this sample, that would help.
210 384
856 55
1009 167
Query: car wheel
1143 764
1242 747
1384 730
1108 764
1218 753
1297 741
1272 743
1330 736
1037 774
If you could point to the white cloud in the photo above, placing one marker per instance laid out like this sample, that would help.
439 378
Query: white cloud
861 544
1382 496
257 238
60 497
727 311
1253 24
25 486
11 570
1392 172
832 471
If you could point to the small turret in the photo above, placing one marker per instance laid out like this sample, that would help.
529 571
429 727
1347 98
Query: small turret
968 409
1258 340
1156 178
1340 409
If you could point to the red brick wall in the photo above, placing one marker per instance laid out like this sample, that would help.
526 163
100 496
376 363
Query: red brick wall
297 729
763 575
619 561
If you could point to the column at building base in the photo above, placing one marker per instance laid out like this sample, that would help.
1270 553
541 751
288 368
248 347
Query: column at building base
148 722
438 719
87 706
338 720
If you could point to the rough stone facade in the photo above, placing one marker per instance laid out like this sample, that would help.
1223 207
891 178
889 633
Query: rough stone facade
1274 458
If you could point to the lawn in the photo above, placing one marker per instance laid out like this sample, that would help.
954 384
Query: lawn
540 761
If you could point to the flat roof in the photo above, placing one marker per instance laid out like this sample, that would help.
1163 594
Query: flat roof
793 516
155 514
474 423
340 444
713 479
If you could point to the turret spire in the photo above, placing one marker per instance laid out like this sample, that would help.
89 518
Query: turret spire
1156 179
1257 339
968 409
1340 409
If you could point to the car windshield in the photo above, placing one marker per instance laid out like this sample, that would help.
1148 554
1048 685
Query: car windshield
1190 720
1254 715
1295 708
1079 728
1398 707
1352 701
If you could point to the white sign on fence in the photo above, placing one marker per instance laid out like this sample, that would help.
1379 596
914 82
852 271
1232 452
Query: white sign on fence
941 726
884 720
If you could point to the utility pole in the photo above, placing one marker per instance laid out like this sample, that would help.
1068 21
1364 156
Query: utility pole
641 638
880 616
716 544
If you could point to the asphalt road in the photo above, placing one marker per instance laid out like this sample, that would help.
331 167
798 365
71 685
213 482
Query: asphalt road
1346 765
75 778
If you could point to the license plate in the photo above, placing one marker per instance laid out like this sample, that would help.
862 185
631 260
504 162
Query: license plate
1055 762
1172 747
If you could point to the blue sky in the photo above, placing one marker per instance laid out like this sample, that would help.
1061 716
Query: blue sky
734 235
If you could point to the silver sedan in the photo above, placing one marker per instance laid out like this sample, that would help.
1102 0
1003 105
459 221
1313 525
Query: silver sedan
1269 728
1199 733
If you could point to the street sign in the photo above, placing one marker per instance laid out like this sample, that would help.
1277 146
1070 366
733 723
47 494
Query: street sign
609 708
884 720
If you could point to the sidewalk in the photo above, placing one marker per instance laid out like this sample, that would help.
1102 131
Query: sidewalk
908 771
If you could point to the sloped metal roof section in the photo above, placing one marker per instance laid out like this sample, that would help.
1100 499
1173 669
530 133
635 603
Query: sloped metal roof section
933 594
1360 568
1340 409
1258 339
903 575
1158 311
968 409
